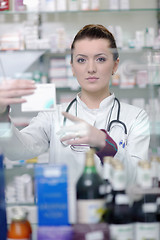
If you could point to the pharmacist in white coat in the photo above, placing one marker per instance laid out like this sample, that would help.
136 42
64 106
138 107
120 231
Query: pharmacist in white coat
94 119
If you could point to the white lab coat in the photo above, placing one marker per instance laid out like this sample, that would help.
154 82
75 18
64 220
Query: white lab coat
41 135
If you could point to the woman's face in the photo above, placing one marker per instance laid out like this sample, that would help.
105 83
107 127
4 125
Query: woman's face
93 65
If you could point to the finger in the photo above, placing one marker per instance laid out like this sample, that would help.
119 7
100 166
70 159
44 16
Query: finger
26 84
78 129
68 137
15 93
71 117
9 101
77 141
70 132
67 130
17 84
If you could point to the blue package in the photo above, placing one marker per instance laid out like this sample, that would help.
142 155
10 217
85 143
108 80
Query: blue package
3 221
51 184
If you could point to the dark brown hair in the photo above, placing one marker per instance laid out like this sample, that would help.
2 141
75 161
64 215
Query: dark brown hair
95 31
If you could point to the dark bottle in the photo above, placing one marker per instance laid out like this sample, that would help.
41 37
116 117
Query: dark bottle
118 179
143 184
154 171
158 209
121 225
107 172
118 184
145 209
144 175
3 218
107 167
158 169
145 181
107 176
146 225
90 192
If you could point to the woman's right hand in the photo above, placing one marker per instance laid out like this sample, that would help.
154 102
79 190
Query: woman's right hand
13 90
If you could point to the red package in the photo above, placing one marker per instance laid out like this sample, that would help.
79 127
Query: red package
4 5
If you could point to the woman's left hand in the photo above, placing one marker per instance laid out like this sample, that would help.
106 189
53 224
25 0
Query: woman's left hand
81 133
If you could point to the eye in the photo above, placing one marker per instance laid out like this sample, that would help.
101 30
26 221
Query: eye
80 60
101 59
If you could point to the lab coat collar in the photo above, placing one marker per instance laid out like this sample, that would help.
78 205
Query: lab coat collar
108 101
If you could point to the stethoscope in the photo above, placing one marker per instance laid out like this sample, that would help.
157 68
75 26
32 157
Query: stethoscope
110 123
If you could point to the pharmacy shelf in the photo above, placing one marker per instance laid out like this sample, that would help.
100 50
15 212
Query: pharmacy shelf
12 61
84 12
155 128
35 54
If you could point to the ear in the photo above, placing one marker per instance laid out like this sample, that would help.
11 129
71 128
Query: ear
72 68
115 67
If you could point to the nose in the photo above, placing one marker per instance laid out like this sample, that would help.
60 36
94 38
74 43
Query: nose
91 66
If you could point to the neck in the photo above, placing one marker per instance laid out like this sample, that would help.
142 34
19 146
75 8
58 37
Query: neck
93 100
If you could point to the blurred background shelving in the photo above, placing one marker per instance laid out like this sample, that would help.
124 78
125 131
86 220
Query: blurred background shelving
35 43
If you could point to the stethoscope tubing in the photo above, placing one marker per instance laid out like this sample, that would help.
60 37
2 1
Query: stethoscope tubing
67 110
117 121
110 122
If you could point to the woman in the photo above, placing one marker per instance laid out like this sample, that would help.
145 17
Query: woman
94 59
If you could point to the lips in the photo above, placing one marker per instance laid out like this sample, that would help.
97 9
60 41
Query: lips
92 79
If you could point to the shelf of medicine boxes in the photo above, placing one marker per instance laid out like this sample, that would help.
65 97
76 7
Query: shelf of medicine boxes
107 10
19 180
20 191
17 61
101 14
126 55
104 11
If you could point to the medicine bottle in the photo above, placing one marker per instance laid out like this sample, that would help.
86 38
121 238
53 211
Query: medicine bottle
90 191
121 225
147 225
20 227
108 189
118 179
118 183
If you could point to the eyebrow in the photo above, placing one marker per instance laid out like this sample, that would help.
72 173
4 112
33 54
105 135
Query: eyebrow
99 54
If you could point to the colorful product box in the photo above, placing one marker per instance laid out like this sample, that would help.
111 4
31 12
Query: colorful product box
51 184
3 221
55 233
99 231
4 5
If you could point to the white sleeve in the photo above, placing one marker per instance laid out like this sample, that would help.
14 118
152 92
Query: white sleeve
137 146
29 142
